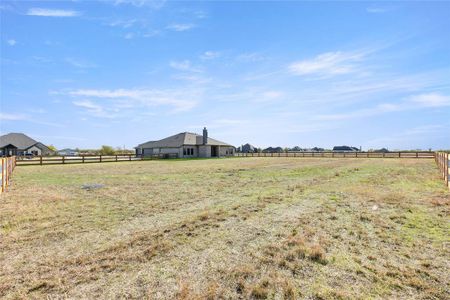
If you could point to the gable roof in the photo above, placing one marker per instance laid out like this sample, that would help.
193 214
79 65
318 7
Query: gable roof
178 140
19 140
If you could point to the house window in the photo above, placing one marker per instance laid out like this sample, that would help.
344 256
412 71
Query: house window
191 151
184 151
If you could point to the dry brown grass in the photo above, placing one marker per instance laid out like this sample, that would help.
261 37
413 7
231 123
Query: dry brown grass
277 228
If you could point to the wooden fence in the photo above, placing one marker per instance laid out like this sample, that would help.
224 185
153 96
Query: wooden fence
401 154
55 160
442 161
7 166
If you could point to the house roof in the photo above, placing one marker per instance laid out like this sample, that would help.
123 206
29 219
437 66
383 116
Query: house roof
345 148
19 140
178 140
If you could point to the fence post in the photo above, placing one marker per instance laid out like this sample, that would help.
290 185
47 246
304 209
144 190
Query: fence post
446 163
3 168
40 160
116 157
63 159
100 158
82 159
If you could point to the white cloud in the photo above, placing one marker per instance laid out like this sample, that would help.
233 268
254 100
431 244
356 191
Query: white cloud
184 65
210 55
330 63
179 100
250 57
180 27
123 23
12 117
80 63
129 36
411 103
362 113
430 100
88 104
93 108
11 42
156 4
376 10
44 12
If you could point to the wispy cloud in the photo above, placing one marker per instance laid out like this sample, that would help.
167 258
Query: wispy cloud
377 10
250 57
26 118
129 36
123 23
80 63
210 55
180 27
330 63
93 108
184 65
421 101
11 42
135 99
430 100
12 117
45 12
155 4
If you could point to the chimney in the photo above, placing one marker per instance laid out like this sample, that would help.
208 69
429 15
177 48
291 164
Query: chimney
205 136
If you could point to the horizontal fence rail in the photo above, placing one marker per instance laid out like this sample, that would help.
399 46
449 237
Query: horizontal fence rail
442 161
56 160
7 167
400 154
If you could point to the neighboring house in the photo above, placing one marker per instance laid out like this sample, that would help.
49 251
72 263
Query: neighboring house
20 144
247 148
382 150
345 149
67 152
273 150
186 144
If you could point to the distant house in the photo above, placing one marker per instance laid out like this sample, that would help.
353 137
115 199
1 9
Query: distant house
67 152
317 149
382 150
345 149
273 150
247 148
21 144
186 144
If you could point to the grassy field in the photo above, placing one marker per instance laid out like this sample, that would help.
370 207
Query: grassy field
277 228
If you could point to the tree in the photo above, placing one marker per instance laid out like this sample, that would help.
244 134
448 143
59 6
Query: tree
51 147
107 150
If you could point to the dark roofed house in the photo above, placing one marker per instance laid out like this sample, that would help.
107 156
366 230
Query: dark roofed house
345 149
21 144
273 150
186 144
247 148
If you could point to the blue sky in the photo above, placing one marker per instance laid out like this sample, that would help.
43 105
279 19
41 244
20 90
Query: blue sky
85 73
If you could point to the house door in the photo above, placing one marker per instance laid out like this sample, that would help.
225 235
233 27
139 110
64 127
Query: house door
214 151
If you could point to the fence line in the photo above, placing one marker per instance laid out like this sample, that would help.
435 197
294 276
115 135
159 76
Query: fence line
7 166
56 160
400 154
442 161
